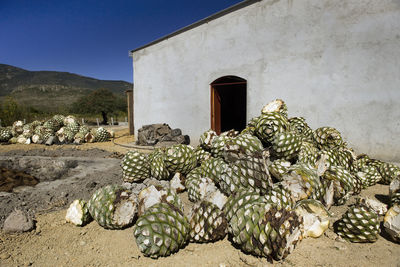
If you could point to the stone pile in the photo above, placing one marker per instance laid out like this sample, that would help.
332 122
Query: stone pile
160 135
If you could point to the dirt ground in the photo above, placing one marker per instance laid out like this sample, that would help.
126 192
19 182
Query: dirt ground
56 243
121 134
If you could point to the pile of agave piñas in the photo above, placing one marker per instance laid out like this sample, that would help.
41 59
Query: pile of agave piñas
268 187
65 128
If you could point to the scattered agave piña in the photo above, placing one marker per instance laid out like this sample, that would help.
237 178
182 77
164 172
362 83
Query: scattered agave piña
268 187
113 207
394 191
78 213
315 217
207 222
162 230
153 195
135 167
360 224
67 129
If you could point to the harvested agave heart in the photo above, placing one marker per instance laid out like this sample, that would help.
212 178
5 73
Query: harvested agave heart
286 145
207 222
135 167
113 207
302 181
394 192
315 217
102 135
359 224
180 158
260 227
277 105
5 134
327 138
153 195
78 213
249 172
162 230
158 168
270 124
278 168
206 139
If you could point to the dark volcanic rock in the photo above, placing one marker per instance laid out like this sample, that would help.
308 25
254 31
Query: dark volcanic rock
154 134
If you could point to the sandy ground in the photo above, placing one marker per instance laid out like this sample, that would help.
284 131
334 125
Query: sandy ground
57 243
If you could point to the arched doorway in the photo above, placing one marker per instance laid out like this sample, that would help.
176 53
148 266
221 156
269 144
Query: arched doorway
228 104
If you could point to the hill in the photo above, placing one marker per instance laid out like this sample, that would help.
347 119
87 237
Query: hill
51 90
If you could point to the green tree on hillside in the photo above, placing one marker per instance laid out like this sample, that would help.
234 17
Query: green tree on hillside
101 101
10 111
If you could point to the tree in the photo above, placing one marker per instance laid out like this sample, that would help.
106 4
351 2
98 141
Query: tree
101 101
10 111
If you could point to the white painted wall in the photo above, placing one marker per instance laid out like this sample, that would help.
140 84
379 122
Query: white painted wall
337 63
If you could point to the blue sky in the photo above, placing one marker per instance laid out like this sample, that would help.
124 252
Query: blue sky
90 37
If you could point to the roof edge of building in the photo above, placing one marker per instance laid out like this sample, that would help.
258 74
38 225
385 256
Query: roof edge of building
214 16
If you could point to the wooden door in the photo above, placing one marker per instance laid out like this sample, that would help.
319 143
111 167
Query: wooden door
215 110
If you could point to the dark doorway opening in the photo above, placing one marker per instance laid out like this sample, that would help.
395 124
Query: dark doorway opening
228 104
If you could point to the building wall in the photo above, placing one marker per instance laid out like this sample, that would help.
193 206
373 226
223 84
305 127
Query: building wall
336 63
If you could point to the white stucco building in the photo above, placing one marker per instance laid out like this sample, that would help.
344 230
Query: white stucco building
334 62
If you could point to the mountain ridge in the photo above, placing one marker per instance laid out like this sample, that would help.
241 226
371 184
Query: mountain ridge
12 78
51 90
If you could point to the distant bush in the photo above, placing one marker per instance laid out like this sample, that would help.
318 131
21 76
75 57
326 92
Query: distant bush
102 102
11 111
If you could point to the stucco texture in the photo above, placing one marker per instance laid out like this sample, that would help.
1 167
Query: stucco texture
336 63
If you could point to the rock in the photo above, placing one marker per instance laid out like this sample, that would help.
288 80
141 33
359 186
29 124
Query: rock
18 222
152 132
182 139
150 135
165 144
151 142
176 132
163 129
391 223
167 137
